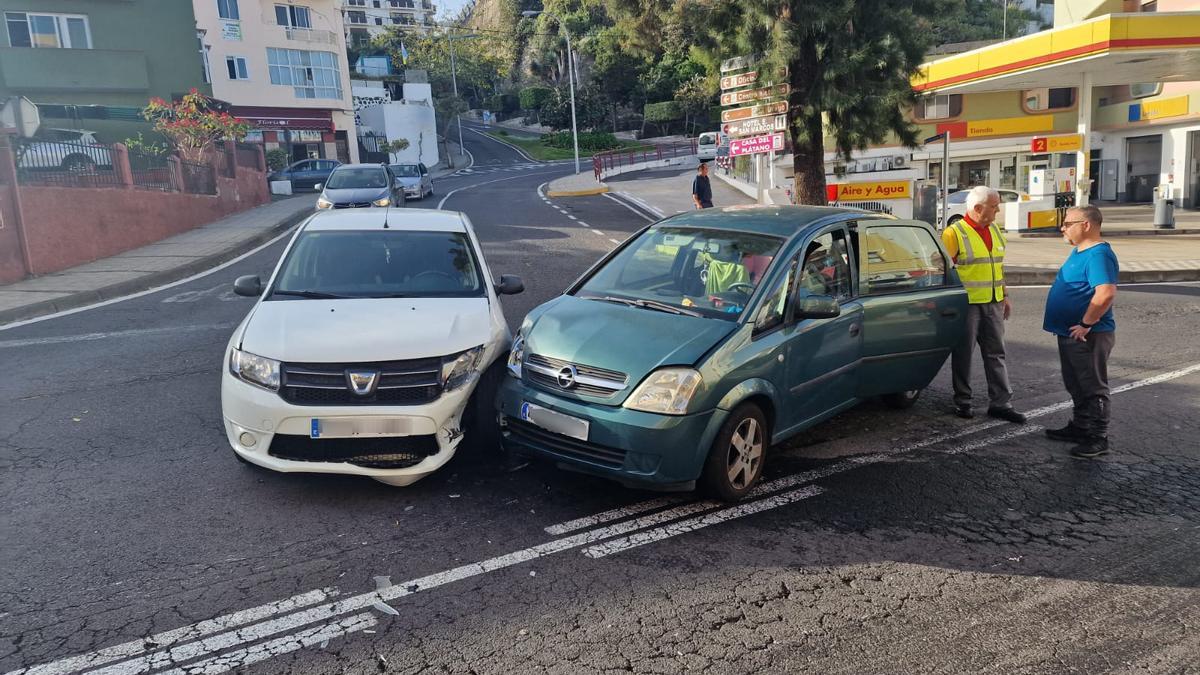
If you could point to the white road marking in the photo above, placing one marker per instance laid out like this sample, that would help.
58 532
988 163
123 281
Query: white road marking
246 656
683 526
519 151
622 203
177 635
90 337
571 216
475 185
613 240
615 514
333 610
598 232
156 289
637 200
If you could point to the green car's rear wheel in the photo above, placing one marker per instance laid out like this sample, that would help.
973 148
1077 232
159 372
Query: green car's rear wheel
735 461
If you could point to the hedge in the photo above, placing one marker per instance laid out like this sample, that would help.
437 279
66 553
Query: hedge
589 140
532 98
666 111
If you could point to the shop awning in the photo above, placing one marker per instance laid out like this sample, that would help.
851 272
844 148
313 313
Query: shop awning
1112 49
261 117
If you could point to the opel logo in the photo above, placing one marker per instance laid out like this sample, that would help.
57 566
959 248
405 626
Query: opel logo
362 382
566 377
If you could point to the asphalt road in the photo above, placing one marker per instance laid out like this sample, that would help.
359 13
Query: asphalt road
884 541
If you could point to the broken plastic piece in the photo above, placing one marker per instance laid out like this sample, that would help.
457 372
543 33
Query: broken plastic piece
385 608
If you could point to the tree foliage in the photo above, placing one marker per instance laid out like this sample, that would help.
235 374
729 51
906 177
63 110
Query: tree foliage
533 98
193 125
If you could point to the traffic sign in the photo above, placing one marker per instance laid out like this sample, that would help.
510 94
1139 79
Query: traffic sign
755 126
741 80
746 113
738 62
749 95
1064 143
756 145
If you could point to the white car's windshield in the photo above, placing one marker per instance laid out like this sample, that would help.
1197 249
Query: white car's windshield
385 263
406 170
705 139
358 177
706 272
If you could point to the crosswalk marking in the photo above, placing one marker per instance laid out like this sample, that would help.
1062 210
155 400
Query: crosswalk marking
475 170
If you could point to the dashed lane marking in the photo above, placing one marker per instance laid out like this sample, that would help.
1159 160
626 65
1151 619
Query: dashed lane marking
91 337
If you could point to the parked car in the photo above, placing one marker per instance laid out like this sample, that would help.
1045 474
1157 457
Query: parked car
418 184
374 349
683 355
958 202
74 150
706 145
306 174
360 186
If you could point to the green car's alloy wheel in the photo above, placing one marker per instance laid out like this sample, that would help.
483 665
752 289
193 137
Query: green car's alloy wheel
735 462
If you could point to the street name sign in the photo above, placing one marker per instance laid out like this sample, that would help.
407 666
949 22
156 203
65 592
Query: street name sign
755 126
741 80
776 108
1065 143
738 62
756 145
750 95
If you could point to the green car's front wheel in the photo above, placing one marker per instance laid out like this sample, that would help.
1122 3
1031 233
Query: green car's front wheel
735 461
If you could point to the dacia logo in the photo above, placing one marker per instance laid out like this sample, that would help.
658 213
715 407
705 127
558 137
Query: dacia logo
362 382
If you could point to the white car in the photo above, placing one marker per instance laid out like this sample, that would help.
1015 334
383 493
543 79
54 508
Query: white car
74 150
958 203
706 145
375 348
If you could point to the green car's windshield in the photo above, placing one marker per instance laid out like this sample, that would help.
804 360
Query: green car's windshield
702 271
379 264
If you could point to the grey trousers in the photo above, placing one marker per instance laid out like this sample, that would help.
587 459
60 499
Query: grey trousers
985 325
1085 374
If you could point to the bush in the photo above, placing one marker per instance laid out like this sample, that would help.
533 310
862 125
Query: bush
532 98
667 111
590 140
277 159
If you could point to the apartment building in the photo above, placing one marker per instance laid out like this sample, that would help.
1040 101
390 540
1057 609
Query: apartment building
1103 106
281 65
92 65
365 19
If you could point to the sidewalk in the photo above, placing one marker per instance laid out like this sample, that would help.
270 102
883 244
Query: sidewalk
1029 260
159 263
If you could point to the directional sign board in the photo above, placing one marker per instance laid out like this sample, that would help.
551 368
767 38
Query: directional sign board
756 144
735 81
751 95
755 126
746 113
1066 143
738 62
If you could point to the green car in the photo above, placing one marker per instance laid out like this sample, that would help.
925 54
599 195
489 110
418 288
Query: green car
684 354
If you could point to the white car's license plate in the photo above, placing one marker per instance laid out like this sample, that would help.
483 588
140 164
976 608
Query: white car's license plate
555 421
355 427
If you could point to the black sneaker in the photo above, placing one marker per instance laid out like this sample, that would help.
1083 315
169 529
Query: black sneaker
1069 434
964 411
1092 447
1007 414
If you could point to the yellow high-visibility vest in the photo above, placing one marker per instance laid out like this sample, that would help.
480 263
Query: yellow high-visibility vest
980 269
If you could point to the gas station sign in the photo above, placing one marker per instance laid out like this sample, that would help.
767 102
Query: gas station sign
1065 143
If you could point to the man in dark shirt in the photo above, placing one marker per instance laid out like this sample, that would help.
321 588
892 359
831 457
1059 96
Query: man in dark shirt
701 188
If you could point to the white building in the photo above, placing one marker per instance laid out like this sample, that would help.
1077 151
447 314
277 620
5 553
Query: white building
281 64
411 118
365 19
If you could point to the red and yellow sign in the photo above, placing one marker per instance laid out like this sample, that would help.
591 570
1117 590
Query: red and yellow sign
1163 107
1066 143
1004 126
732 115
870 191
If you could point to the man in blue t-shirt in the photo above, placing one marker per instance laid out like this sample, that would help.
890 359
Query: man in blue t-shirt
1079 312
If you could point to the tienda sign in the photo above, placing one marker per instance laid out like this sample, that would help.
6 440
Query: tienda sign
871 191
756 145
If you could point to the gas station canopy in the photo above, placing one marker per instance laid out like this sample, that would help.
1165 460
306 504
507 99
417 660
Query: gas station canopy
1109 50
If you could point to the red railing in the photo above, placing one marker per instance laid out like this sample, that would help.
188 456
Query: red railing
604 163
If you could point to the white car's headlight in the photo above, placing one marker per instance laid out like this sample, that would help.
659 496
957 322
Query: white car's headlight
383 201
323 203
667 391
255 369
458 369
515 356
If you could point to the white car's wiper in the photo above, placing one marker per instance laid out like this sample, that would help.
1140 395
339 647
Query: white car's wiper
316 295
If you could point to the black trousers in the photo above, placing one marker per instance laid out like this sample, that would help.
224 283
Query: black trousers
1085 374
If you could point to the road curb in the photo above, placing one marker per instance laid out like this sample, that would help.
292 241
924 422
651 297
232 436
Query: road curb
578 193
1015 276
147 281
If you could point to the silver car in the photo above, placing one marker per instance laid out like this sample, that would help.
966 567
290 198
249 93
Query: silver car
417 182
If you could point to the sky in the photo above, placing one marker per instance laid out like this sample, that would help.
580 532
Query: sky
448 8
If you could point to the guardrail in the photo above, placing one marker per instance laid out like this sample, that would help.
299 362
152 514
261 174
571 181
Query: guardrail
606 162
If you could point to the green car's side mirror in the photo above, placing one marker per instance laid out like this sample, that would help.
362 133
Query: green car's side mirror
816 307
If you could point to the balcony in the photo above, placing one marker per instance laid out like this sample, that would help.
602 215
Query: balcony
92 70
311 36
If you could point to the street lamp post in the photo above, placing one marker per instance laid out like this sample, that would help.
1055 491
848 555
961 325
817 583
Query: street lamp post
454 84
570 78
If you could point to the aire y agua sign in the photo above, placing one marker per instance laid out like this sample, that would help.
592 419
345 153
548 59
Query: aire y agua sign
871 191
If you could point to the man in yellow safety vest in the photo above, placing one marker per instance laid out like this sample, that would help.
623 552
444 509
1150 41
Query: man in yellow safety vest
977 246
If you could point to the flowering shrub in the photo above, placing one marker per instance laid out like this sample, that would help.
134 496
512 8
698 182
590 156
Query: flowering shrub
192 125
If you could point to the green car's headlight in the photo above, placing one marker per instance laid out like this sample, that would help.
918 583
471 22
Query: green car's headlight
255 369
667 391
515 356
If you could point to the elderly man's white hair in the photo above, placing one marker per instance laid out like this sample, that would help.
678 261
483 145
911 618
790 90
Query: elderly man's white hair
979 195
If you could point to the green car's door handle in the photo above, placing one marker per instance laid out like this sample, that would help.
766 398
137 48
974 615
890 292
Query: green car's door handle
854 329
950 312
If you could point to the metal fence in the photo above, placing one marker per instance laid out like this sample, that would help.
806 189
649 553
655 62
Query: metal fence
371 149
198 179
152 172
611 161
45 162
